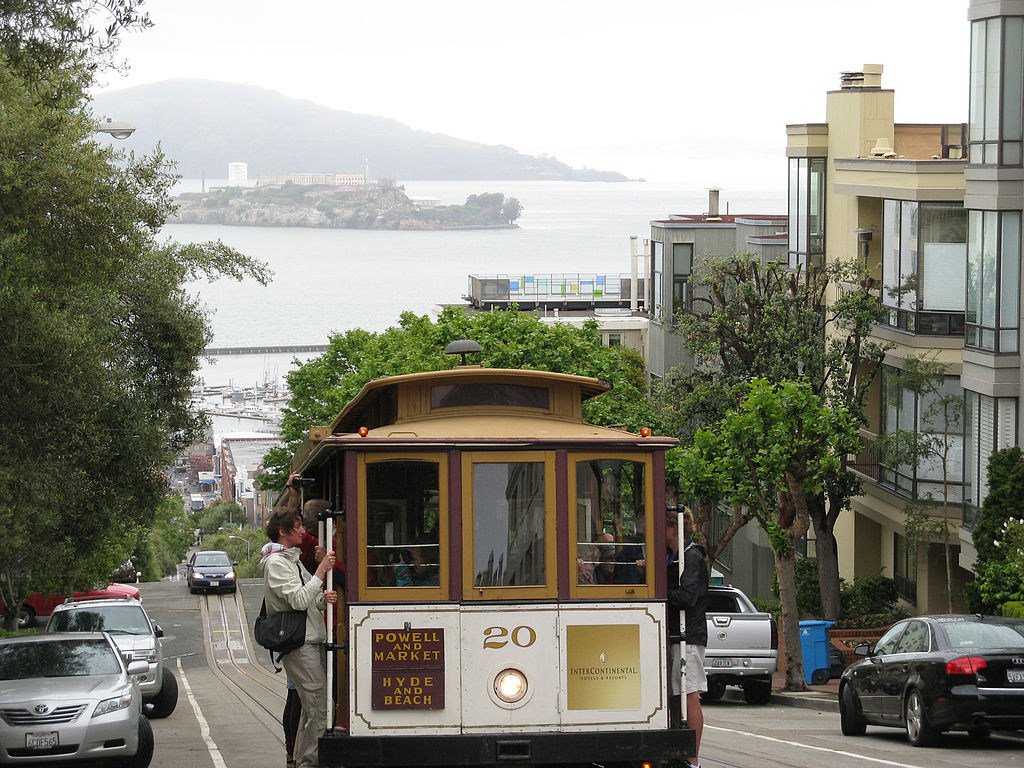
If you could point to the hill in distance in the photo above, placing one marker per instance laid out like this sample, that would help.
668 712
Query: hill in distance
203 125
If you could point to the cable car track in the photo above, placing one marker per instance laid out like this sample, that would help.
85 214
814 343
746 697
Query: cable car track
228 654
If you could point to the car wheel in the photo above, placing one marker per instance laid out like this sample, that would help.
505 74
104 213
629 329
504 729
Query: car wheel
26 617
164 702
714 692
851 720
144 754
919 730
757 691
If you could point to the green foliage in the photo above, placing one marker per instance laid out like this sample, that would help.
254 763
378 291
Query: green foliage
101 340
165 544
322 386
869 595
808 596
247 557
1014 608
1001 579
218 515
774 607
995 557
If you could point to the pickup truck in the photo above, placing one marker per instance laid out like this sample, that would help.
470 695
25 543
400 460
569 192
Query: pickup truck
743 646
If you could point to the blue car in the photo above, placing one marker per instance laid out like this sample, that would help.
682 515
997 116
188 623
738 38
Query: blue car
211 571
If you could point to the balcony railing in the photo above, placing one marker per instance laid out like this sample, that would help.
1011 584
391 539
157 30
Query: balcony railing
904 480
552 287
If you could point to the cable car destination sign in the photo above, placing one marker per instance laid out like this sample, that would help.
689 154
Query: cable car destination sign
408 668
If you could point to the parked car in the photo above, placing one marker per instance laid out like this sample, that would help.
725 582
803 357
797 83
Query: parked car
210 570
66 698
43 605
743 646
931 674
135 635
125 573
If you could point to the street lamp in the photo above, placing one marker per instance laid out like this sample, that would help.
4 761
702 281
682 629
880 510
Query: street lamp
118 129
248 547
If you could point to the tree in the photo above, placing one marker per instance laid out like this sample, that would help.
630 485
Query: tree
930 447
1000 564
774 451
747 320
322 386
100 340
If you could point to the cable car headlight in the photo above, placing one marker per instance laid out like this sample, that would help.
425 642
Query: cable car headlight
510 685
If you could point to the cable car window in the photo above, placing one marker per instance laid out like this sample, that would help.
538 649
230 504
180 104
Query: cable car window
402 520
457 395
610 529
508 524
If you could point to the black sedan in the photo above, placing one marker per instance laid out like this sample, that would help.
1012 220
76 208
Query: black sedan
210 570
931 674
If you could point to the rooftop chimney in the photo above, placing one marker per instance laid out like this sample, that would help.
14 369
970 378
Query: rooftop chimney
713 201
869 77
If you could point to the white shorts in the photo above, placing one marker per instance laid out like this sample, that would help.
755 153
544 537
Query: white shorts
696 677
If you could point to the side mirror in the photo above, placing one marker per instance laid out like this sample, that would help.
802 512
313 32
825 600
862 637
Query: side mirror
235 564
158 630
862 650
136 668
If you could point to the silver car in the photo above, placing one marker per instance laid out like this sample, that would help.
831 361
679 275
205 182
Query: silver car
68 698
136 637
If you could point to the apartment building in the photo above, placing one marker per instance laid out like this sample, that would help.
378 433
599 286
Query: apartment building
934 211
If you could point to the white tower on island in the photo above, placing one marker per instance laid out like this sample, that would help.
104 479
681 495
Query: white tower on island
238 174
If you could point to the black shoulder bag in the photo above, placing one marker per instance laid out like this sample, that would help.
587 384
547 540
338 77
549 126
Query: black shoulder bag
281 633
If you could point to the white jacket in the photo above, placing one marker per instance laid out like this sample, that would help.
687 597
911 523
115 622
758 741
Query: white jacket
284 591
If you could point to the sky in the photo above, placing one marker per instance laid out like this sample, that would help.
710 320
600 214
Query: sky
670 91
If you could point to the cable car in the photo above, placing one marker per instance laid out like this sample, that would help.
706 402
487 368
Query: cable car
505 576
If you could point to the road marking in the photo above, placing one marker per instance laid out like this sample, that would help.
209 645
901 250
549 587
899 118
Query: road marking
811 746
204 729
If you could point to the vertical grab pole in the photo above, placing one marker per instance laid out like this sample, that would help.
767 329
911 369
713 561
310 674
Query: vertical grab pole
327 528
682 624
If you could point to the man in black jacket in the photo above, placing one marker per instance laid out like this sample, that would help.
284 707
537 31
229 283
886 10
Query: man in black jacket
687 593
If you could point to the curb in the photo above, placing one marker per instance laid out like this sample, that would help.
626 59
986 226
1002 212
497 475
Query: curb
810 700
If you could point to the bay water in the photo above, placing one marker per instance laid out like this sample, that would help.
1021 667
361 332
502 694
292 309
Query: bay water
333 280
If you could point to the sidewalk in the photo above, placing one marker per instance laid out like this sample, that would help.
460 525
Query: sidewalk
821 697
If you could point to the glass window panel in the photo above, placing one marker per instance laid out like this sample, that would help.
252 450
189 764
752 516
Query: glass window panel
457 395
657 270
890 252
1011 153
974 266
794 208
402 531
988 269
909 225
1009 271
1006 421
986 442
1012 85
1008 341
682 258
993 53
988 339
976 154
508 524
991 154
610 513
816 218
977 108
802 199
970 447
943 235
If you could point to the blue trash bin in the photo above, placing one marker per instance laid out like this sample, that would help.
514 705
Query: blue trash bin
814 647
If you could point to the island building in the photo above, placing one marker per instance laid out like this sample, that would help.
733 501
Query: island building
311 179
934 211
238 174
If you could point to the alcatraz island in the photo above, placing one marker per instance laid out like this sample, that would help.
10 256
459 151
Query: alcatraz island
379 204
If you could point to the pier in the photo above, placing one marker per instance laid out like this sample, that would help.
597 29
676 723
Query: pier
264 350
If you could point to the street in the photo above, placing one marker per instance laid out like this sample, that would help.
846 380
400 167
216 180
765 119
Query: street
230 701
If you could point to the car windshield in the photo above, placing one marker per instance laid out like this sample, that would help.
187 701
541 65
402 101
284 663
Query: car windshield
58 658
212 559
976 634
116 619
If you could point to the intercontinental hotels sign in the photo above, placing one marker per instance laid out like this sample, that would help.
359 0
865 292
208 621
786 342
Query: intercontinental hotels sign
408 669
603 666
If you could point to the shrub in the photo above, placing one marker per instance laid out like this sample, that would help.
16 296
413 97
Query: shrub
1014 608
868 595
808 593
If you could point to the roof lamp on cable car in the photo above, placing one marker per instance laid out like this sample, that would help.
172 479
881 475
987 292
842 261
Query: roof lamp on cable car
363 431
463 346
645 432
510 685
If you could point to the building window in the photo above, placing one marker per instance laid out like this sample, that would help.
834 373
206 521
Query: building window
905 569
924 248
657 272
682 267
613 340
996 89
806 211
905 410
993 277
990 424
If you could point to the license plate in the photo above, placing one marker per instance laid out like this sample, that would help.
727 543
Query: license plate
214 583
1015 675
721 662
44 740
